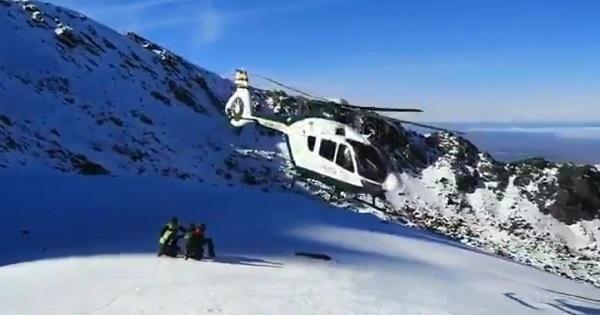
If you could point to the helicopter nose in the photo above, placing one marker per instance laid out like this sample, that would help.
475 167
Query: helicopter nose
391 182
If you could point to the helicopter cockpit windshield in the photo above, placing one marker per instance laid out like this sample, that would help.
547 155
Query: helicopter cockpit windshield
370 163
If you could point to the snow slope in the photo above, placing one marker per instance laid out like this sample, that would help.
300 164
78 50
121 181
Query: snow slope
507 209
89 249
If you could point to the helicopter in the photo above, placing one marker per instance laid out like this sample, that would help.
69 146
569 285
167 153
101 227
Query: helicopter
322 148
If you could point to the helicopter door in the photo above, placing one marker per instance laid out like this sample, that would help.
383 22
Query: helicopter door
327 149
370 163
327 153
344 158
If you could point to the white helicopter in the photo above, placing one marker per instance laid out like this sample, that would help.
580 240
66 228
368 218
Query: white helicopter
320 148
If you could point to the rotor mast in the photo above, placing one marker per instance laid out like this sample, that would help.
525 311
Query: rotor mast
241 79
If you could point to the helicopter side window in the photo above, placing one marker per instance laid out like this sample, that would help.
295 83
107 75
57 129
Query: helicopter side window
327 149
369 162
311 143
344 158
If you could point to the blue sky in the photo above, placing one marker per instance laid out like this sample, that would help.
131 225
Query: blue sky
459 60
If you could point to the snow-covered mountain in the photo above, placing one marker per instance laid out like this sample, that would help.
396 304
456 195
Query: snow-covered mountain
534 211
79 98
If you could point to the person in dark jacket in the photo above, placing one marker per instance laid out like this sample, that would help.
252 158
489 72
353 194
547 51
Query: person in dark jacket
193 239
196 240
206 241
168 238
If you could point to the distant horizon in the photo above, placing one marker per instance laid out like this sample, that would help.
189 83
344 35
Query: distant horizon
558 142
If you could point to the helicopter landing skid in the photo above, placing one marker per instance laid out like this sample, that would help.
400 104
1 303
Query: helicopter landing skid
333 195
377 203
320 189
385 211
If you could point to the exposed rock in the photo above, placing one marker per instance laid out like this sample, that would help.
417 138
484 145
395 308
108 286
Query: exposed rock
87 167
66 35
143 118
578 196
185 96
5 120
161 97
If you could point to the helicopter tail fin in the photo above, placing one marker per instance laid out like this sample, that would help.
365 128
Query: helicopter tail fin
239 106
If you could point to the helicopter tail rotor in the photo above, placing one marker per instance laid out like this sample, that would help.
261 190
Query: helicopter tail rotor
239 106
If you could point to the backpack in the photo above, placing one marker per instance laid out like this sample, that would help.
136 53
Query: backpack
169 235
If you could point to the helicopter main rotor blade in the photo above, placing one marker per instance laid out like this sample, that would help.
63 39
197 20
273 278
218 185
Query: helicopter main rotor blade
290 88
329 102
430 127
385 109
370 108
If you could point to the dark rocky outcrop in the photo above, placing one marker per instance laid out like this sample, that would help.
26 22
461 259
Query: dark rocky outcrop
87 167
578 196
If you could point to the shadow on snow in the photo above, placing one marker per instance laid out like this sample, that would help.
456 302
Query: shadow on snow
514 297
570 304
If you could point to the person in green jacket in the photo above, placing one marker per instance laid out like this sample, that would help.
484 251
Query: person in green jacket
167 243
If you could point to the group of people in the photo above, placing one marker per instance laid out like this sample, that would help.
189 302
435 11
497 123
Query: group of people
194 235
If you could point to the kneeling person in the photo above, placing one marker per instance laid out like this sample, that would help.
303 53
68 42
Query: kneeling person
196 241
169 237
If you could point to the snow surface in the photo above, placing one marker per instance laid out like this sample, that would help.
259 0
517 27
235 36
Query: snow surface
81 245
